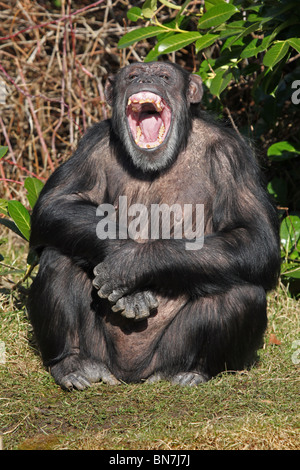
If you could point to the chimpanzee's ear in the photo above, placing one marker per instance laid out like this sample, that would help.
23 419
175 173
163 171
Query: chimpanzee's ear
195 90
109 88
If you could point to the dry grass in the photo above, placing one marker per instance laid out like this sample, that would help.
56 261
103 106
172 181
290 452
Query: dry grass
53 65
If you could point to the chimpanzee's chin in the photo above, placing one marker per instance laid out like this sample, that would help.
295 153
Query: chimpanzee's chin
154 160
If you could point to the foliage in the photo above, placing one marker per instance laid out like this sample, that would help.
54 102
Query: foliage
20 223
238 42
241 29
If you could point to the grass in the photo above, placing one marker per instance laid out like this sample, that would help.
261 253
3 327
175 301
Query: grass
256 409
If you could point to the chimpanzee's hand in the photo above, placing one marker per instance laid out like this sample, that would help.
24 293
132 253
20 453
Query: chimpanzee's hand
112 285
136 306
110 282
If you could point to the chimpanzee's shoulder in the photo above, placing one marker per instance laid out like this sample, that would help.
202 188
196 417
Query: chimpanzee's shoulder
205 130
214 131
96 134
94 141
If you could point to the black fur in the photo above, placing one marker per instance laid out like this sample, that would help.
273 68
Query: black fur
201 312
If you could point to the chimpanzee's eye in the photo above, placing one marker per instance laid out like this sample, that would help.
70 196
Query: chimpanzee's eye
132 77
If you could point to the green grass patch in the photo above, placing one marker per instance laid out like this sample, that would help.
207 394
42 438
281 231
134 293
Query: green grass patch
256 409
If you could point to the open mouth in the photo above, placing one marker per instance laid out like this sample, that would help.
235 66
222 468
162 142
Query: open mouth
149 119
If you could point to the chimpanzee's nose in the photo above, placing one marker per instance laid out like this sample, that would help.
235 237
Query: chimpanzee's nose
145 79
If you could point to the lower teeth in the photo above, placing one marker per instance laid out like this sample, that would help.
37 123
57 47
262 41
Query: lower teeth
159 139
138 134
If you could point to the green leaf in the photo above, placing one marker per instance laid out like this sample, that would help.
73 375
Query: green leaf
217 15
278 188
170 5
211 3
290 232
295 43
3 150
279 147
272 78
246 31
183 7
232 41
20 216
32 257
34 187
177 41
255 47
12 226
291 270
295 274
276 53
152 55
231 29
134 14
282 151
220 82
205 41
149 8
139 34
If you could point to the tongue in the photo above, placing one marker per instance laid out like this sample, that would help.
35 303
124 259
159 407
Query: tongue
150 125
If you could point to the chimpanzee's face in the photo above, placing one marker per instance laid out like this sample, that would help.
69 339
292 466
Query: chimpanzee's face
151 112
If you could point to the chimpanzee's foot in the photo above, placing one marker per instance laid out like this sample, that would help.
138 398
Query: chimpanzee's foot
74 373
137 306
189 378
183 378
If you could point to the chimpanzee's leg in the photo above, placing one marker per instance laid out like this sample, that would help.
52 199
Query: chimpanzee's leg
68 332
212 334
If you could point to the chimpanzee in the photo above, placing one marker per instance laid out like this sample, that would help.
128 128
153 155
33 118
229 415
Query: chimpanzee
114 304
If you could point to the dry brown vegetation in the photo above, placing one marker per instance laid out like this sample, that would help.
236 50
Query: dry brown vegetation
53 64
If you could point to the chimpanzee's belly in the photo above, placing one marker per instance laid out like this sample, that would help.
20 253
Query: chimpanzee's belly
134 342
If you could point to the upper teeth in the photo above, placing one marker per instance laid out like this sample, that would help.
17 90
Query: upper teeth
158 104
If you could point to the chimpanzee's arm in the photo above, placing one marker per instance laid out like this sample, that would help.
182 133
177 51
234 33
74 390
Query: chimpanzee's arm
243 247
226 259
64 217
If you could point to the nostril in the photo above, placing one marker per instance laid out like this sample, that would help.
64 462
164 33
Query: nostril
145 80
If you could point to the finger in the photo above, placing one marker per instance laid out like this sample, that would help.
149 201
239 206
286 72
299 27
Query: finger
98 269
141 308
101 271
99 281
141 313
119 305
105 291
151 300
117 294
129 308
129 311
75 380
96 282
